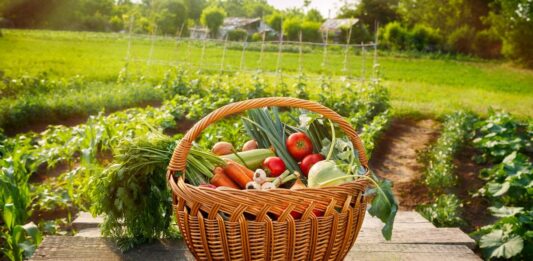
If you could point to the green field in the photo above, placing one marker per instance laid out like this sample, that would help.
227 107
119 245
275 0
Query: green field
427 86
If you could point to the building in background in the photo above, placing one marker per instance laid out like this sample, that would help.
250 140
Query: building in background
334 28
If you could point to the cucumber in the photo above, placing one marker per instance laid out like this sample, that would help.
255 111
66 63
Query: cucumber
252 158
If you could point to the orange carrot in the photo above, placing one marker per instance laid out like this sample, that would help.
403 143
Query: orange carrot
221 179
246 170
238 173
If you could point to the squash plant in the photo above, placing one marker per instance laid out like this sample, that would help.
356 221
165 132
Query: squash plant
506 143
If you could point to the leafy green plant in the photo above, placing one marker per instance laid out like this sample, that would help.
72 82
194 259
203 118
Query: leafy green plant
509 183
506 142
500 135
444 212
439 157
510 237
133 192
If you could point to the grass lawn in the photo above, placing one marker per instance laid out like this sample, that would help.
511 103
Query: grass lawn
418 86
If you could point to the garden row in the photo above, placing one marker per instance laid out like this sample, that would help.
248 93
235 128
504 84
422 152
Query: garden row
27 101
502 146
47 178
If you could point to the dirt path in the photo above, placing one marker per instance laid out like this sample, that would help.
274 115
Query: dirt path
396 158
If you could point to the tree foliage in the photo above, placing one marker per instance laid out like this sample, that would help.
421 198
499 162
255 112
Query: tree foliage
213 18
513 21
370 12
170 15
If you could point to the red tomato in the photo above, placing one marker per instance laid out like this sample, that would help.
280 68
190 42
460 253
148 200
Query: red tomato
309 161
299 145
274 165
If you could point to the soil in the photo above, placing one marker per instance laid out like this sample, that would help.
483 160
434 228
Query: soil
396 159
475 209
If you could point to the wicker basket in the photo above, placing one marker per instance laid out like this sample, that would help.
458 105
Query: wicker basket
257 225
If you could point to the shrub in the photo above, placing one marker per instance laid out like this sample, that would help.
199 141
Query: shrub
116 24
237 35
487 44
257 37
310 32
359 34
518 44
439 159
461 39
292 28
424 38
275 21
213 18
444 212
395 36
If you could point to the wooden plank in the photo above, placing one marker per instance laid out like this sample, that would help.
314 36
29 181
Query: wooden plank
89 232
79 248
86 220
403 219
403 235
410 252
82 248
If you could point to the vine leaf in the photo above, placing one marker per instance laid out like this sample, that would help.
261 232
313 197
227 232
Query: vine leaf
498 244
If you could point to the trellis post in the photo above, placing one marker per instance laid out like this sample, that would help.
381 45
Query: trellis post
154 30
223 54
202 54
363 63
128 52
300 69
244 44
262 50
347 49
375 65
325 53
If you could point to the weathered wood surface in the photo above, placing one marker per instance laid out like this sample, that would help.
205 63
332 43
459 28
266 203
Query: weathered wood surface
414 238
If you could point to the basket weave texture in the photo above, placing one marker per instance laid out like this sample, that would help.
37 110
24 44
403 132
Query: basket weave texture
258 225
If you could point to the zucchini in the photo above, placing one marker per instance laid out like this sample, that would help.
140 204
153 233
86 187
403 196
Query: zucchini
252 158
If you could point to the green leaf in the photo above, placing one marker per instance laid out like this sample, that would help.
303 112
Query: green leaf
495 244
9 215
28 248
384 206
33 231
498 189
505 211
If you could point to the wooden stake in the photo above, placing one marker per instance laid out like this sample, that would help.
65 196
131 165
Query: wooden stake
325 54
262 50
223 54
244 44
300 55
347 48
152 45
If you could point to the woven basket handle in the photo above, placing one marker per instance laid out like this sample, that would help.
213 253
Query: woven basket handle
179 157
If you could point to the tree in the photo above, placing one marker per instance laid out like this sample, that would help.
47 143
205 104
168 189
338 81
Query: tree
275 21
314 15
513 21
213 18
371 11
444 15
258 8
195 8
170 15
234 8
